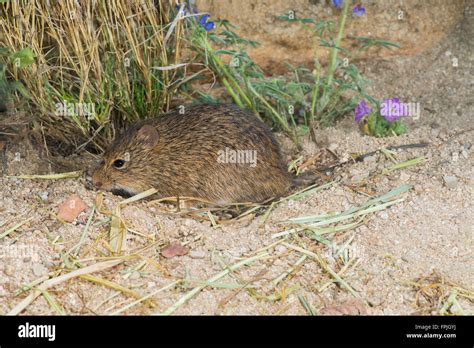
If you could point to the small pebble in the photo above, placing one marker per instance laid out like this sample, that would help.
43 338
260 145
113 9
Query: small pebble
450 181
281 249
358 178
39 270
9 270
404 177
44 195
435 132
455 156
197 254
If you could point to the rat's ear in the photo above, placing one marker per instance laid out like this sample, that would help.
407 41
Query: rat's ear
148 135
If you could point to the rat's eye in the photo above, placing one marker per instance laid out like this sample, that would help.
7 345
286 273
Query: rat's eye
118 163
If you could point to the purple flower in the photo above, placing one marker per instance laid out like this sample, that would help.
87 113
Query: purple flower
361 110
392 109
203 19
358 10
209 25
205 24
337 3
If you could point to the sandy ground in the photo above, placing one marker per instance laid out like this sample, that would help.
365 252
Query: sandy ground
406 259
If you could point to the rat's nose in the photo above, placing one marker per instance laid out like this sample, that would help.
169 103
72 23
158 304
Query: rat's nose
90 182
96 180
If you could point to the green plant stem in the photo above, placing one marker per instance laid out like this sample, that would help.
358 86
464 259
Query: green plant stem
315 92
218 63
231 91
334 51
282 120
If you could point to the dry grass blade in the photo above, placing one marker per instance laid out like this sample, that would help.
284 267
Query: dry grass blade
118 232
315 222
13 229
144 298
115 74
67 175
109 284
439 295
75 249
306 305
406 164
139 196
290 270
218 276
52 302
54 281
323 264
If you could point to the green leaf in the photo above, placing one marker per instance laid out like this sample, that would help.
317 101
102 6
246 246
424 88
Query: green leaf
368 41
24 57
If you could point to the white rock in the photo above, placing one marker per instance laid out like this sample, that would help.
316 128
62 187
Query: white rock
44 195
404 176
197 254
455 156
450 181
9 270
435 132
281 249
39 270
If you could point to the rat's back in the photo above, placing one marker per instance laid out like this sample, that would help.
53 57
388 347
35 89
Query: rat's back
218 153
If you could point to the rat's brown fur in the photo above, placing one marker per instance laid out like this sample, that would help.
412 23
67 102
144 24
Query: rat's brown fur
177 154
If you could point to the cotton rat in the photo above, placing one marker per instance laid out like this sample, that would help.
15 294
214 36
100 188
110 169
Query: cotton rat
219 153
